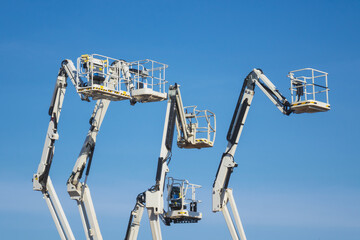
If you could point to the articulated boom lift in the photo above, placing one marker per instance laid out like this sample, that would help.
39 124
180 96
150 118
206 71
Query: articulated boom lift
177 202
103 79
303 90
191 134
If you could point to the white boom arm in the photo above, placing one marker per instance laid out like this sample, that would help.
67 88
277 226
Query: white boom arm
41 180
105 79
221 193
152 199
80 191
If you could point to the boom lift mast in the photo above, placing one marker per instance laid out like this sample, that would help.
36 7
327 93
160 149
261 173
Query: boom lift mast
103 79
80 191
152 199
41 180
221 194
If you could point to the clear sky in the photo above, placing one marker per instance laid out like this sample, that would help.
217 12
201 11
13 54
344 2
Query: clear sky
298 176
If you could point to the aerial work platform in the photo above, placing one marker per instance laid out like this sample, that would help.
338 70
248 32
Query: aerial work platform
201 128
179 209
101 77
309 91
149 81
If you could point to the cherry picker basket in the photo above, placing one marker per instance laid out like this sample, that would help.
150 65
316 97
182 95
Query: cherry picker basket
103 77
201 128
309 91
149 81
181 209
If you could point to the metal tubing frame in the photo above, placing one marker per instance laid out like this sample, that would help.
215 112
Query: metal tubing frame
312 77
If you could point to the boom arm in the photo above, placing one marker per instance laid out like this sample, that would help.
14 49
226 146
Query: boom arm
41 179
153 198
80 191
221 194
104 79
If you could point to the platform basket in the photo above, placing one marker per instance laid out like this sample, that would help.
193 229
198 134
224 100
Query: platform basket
309 91
101 77
201 125
149 81
181 208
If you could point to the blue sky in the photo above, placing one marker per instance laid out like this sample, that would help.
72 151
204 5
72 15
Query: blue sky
298 176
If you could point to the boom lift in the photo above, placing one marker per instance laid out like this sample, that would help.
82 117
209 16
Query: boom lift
303 90
177 205
41 180
103 79
191 134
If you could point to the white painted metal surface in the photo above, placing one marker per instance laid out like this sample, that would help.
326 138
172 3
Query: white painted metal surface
221 193
104 79
309 91
154 202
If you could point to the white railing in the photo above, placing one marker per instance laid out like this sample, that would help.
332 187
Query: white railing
204 122
148 74
108 72
309 84
184 186
105 77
